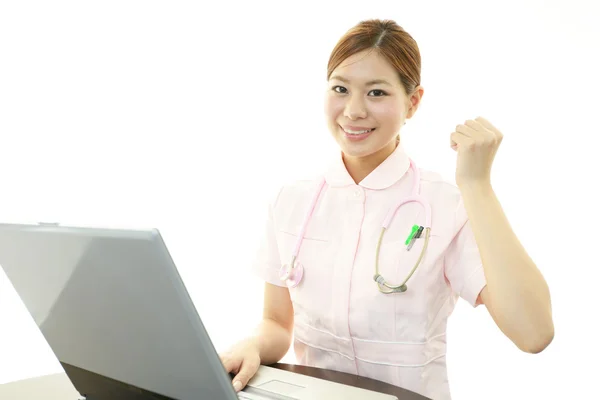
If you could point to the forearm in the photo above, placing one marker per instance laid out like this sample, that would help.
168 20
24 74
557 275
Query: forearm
517 295
273 341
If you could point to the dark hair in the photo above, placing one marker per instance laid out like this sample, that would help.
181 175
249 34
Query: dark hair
390 40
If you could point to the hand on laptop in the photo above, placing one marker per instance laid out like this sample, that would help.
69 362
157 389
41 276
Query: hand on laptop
242 360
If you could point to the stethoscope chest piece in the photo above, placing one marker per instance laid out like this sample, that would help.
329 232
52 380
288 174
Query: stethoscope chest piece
292 276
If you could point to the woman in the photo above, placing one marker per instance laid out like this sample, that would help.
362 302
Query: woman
335 302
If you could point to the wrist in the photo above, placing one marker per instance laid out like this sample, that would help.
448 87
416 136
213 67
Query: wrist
253 342
475 188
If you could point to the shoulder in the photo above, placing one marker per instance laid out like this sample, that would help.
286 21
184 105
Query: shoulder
294 192
435 187
445 199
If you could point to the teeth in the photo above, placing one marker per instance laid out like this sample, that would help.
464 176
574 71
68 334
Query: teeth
357 132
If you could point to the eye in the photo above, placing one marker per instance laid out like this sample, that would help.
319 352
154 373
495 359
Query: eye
378 93
339 89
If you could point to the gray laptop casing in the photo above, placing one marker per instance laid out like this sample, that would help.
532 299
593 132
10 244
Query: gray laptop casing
112 306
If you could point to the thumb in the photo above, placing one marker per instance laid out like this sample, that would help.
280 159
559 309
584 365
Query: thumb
247 371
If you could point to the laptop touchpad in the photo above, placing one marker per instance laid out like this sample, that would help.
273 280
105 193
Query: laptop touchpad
281 387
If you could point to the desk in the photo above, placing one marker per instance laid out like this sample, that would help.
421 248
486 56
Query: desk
59 387
47 387
350 380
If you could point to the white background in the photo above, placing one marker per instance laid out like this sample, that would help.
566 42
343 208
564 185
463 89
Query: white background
187 117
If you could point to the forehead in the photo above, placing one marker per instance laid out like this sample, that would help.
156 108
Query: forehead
366 66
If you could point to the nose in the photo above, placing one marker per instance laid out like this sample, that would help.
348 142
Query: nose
355 108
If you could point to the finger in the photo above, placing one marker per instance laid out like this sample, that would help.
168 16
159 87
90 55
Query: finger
467 130
459 140
487 124
230 364
482 132
476 126
247 371
482 135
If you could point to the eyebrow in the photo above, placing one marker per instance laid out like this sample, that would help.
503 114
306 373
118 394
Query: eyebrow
370 83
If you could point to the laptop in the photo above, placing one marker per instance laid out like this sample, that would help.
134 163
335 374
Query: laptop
117 315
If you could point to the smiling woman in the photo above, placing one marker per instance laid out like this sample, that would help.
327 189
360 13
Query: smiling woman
327 297
373 76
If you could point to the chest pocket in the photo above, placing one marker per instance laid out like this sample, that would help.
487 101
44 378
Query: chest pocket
396 261
398 316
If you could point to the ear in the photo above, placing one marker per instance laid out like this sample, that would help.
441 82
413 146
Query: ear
414 101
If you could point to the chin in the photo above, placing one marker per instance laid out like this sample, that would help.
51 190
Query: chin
358 149
368 150
352 151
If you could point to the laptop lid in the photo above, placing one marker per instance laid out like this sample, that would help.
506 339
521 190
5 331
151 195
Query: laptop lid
114 310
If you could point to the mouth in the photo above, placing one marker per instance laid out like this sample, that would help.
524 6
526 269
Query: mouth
356 133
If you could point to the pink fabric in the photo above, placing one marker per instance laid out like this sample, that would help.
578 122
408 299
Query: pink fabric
342 321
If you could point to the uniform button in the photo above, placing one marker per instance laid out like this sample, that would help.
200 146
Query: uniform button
357 193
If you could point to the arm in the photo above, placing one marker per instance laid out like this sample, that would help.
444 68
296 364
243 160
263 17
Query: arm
516 294
273 336
270 341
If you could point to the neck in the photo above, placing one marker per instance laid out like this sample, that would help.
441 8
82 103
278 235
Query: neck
360 167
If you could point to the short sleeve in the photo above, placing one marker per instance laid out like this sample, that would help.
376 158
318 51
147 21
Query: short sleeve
268 261
463 265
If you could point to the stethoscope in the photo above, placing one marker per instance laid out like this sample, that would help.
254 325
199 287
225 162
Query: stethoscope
293 273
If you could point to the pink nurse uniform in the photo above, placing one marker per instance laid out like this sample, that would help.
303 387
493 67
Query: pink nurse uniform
341 320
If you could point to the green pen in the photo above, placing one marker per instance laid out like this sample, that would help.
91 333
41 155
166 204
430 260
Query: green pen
415 237
411 237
